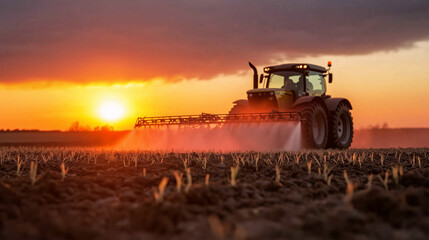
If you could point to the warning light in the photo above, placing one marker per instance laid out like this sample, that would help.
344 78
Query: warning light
329 63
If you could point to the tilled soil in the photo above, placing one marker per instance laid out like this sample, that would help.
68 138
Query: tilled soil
110 195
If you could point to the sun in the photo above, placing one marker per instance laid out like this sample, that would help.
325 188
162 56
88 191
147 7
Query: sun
111 111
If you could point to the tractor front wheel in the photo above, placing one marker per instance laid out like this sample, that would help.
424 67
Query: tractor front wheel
315 126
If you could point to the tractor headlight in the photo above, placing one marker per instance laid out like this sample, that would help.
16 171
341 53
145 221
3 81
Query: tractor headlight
250 95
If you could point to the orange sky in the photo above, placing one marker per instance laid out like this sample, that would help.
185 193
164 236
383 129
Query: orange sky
383 87
62 62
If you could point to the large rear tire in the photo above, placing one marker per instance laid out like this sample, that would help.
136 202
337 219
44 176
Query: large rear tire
340 128
315 126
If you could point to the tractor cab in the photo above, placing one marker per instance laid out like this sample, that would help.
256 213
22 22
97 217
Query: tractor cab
284 84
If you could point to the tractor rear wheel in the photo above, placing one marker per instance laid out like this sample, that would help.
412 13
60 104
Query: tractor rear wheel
340 128
315 126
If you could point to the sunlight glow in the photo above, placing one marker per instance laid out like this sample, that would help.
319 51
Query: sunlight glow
111 111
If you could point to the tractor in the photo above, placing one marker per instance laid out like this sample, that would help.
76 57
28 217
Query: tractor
291 92
300 87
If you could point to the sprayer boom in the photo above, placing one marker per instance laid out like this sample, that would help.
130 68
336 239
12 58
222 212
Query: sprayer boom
205 118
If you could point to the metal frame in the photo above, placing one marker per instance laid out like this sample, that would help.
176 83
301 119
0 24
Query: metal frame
205 118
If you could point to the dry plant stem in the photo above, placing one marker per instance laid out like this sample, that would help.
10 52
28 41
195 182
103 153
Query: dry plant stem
309 166
188 180
297 157
326 171
144 172
340 158
185 163
204 163
419 162
278 176
384 181
346 177
349 192
349 189
329 180
281 158
135 161
207 180
256 161
369 184
315 159
216 226
242 160
395 174
33 172
287 157
178 177
159 196
18 166
363 156
45 159
234 172
64 171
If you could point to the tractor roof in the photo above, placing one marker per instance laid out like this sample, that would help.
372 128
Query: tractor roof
295 66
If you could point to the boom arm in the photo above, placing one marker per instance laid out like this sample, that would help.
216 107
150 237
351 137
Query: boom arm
207 119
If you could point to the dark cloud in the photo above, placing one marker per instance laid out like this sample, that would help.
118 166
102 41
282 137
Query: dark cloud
125 40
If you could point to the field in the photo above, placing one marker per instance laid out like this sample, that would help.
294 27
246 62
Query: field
83 193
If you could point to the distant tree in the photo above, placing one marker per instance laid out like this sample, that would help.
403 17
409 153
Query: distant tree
77 127
385 125
105 128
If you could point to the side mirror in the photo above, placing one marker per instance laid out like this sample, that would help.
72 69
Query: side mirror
330 77
261 78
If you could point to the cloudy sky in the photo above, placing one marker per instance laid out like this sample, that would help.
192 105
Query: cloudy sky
138 51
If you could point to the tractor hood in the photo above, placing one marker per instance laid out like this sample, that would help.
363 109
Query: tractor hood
268 99
264 90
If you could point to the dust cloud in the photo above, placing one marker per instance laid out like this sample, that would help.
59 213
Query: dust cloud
391 138
278 136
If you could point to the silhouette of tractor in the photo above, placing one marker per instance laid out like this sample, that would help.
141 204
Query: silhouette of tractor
291 92
326 121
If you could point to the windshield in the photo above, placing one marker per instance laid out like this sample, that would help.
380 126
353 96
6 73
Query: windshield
287 80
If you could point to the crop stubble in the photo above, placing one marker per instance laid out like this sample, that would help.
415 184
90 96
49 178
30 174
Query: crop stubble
84 193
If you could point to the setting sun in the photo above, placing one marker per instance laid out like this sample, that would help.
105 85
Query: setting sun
111 111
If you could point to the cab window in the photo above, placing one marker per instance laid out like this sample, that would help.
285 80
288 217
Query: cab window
315 83
289 80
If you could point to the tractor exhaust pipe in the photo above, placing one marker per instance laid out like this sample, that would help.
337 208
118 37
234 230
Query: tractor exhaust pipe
255 76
